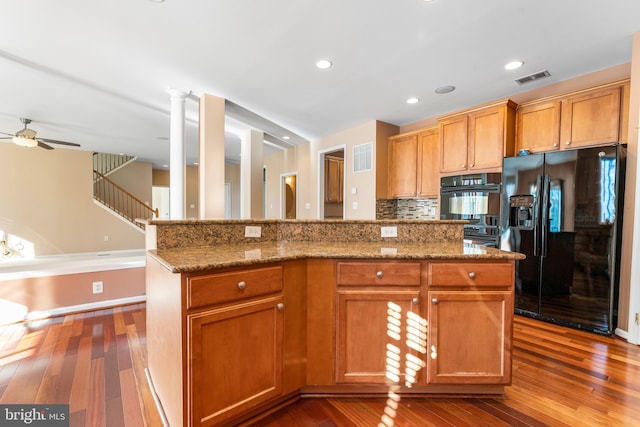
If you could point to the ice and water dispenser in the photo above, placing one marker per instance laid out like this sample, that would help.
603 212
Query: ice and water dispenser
521 212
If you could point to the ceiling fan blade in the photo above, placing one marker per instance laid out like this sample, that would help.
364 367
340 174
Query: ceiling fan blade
4 133
6 137
45 146
53 141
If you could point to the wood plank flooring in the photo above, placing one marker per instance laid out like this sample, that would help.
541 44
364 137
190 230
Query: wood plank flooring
95 362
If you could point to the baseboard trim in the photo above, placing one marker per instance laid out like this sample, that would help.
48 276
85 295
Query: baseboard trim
60 311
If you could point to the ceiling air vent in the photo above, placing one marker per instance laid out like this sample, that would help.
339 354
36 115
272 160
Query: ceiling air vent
532 77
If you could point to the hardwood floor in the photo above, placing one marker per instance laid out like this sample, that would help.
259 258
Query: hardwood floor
95 362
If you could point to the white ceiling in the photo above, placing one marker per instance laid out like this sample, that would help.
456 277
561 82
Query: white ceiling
96 72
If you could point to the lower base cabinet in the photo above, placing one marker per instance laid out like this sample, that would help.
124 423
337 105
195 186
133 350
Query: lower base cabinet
469 337
235 359
371 334
225 346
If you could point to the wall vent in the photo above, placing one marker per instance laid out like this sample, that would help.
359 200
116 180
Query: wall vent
532 77
362 155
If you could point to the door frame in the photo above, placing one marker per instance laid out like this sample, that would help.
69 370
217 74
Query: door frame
321 156
283 200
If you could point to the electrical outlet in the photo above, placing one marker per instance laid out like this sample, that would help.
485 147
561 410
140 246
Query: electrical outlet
389 231
252 231
97 287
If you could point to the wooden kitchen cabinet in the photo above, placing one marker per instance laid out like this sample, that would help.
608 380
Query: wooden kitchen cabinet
236 359
413 159
376 304
470 318
333 179
582 119
477 140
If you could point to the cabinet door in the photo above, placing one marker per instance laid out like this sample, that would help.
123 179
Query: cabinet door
591 119
453 144
469 337
234 359
402 166
538 127
333 179
427 167
486 142
373 330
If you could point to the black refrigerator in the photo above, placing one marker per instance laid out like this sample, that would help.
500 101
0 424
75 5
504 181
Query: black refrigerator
563 211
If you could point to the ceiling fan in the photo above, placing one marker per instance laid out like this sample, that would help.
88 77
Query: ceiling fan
27 138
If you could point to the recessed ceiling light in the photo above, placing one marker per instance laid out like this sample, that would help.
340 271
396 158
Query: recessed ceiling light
413 100
195 163
445 89
323 64
513 65
286 138
165 166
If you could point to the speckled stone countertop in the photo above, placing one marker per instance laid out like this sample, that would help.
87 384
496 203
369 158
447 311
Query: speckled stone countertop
186 260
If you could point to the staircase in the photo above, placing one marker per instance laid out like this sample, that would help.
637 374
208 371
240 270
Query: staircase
114 197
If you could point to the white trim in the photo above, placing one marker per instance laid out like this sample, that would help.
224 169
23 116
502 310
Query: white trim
43 315
621 333
55 265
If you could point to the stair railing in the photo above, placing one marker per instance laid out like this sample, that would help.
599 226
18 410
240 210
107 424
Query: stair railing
120 200
105 163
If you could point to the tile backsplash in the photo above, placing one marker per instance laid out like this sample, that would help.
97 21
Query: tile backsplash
426 208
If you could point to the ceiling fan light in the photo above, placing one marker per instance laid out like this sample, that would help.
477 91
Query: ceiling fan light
24 142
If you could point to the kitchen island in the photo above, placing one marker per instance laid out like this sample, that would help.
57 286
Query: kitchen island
238 326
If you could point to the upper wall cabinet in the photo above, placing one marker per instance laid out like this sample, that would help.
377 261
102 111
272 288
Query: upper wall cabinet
413 159
477 140
581 119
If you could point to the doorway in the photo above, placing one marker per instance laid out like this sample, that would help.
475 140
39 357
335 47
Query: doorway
331 183
160 200
289 195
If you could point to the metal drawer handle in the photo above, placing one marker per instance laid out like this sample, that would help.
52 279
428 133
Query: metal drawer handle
472 275
280 306
379 274
242 285
434 300
415 300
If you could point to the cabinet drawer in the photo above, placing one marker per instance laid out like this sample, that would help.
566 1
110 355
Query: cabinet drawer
471 274
217 288
378 273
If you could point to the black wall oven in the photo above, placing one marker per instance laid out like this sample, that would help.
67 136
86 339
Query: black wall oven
475 198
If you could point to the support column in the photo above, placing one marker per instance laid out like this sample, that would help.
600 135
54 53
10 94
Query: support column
177 155
251 178
211 167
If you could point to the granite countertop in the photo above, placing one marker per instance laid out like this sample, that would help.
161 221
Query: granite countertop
185 260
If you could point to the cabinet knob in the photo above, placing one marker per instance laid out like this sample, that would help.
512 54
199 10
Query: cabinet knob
567 143
463 166
415 300
555 145
434 300
379 274
242 285
472 165
280 306
472 275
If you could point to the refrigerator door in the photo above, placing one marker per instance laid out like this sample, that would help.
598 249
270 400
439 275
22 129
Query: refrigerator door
520 228
579 224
